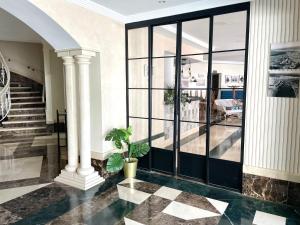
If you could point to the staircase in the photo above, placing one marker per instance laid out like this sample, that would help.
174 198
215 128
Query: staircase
27 114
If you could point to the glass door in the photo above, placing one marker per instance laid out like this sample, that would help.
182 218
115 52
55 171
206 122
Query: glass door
227 99
186 93
193 98
163 97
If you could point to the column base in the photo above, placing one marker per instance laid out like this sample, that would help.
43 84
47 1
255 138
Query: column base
77 181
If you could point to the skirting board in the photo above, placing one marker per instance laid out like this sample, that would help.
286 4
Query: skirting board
275 174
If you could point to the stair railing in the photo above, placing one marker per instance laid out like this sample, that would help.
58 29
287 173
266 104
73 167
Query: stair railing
5 101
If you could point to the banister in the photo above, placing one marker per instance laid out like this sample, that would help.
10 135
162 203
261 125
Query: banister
5 100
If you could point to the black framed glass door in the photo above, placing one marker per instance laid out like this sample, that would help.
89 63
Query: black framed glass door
186 92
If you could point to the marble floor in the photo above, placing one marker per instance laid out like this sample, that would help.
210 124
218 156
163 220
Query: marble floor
225 143
27 164
151 199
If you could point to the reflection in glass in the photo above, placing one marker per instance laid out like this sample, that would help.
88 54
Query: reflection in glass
138 73
230 31
193 105
138 43
163 104
162 134
194 72
227 88
163 72
195 37
140 130
193 138
225 142
164 40
138 103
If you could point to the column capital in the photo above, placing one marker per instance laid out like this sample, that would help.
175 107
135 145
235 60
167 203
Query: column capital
75 52
68 60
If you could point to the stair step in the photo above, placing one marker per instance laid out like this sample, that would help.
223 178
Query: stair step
24 123
33 116
23 131
17 111
26 99
18 84
18 89
25 94
27 105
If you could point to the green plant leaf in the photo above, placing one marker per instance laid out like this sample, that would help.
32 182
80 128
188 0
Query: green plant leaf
115 163
119 136
138 150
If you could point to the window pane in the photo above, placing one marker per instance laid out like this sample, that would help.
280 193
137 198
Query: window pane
138 73
138 103
227 88
225 143
138 43
162 134
195 37
164 40
193 138
230 31
193 105
163 104
194 72
163 73
140 130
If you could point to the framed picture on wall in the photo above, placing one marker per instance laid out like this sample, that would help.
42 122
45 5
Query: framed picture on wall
283 86
285 58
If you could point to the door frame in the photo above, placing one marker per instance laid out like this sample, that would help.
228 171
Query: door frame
179 19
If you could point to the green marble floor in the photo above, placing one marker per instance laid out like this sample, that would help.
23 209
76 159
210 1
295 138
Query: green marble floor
150 199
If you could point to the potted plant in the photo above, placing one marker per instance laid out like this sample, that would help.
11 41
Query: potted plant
127 154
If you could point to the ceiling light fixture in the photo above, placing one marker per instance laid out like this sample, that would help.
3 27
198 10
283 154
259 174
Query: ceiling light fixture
161 1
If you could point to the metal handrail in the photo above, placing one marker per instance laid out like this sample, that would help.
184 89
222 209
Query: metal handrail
5 100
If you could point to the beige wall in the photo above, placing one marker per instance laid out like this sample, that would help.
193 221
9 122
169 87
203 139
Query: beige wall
272 141
24 55
57 83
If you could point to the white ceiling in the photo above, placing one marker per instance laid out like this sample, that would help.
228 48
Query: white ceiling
127 11
129 7
12 29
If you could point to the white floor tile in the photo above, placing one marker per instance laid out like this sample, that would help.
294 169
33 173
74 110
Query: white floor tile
168 193
132 195
262 218
12 193
187 212
22 168
219 205
131 222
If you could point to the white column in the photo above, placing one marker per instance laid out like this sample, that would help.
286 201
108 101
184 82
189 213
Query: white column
48 85
70 79
85 176
83 62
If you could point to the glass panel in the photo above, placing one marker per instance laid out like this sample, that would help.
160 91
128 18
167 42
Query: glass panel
193 138
195 36
164 40
227 88
162 134
193 105
194 71
140 130
138 103
230 31
138 43
163 104
163 73
138 73
225 142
